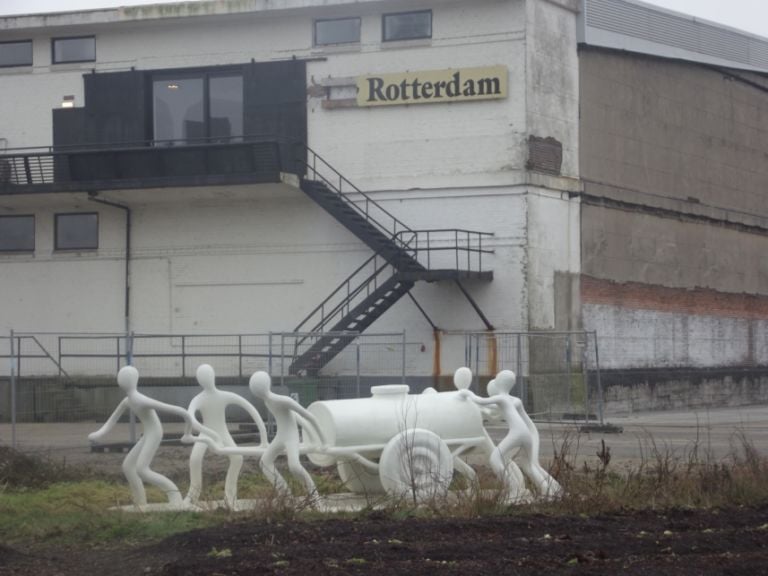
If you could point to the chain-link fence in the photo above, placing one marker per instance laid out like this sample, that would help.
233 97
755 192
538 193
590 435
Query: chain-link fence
70 378
558 373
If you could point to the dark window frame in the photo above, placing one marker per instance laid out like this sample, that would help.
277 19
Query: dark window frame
205 74
58 248
20 250
345 43
391 14
53 49
31 53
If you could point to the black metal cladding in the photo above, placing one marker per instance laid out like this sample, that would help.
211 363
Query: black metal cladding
118 115
276 103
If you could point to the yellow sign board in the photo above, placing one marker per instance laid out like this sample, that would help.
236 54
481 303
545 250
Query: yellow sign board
430 86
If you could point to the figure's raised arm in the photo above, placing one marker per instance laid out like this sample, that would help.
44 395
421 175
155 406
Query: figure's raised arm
305 417
110 423
254 414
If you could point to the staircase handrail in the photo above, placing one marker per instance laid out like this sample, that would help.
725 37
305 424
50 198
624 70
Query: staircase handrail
398 226
471 243
346 300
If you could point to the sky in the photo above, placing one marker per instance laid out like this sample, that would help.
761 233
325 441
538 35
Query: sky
748 15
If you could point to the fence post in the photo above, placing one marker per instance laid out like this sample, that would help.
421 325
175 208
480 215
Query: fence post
183 357
569 368
357 364
282 359
13 393
403 360
129 362
599 383
269 358
520 377
585 375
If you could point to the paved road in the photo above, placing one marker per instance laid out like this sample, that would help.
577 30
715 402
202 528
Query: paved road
716 431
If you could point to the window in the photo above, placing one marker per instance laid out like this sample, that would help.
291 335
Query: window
82 49
77 231
17 233
407 25
16 53
340 31
187 108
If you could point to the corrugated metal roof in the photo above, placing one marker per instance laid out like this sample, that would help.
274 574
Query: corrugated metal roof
639 27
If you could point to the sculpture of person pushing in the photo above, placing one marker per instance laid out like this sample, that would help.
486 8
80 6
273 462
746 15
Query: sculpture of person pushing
212 404
136 465
522 435
288 414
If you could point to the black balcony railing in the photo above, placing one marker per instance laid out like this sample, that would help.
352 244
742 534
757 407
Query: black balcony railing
140 165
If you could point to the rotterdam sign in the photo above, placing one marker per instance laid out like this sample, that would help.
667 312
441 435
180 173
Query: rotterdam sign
430 86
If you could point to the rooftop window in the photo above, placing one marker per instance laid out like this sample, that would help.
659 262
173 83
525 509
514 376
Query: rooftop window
18 53
81 49
339 31
407 25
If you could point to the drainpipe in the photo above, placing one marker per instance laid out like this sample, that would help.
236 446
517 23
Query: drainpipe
92 197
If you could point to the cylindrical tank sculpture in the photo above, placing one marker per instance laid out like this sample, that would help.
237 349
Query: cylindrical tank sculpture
395 441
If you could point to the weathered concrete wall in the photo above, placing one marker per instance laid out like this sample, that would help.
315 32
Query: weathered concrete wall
674 135
674 226
638 391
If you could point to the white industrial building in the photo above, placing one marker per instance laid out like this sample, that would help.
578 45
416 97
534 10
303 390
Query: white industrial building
164 185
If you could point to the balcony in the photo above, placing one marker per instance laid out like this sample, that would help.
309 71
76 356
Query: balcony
155 164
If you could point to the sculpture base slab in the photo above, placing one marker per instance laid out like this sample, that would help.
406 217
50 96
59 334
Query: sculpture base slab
339 502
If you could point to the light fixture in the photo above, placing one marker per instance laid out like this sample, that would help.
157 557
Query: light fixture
68 102
173 86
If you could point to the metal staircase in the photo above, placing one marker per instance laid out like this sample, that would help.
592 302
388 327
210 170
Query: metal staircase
402 256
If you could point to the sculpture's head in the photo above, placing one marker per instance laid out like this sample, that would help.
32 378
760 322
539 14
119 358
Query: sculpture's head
128 378
260 384
206 377
492 388
505 381
462 378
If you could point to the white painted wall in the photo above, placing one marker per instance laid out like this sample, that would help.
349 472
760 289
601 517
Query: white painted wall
259 258
637 338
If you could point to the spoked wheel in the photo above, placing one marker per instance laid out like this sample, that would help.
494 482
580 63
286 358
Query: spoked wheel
416 464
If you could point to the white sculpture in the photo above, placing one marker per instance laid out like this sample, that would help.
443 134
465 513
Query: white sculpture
212 404
136 465
522 436
288 415
393 442
399 443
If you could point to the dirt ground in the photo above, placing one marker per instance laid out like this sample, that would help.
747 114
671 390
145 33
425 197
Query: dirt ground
680 542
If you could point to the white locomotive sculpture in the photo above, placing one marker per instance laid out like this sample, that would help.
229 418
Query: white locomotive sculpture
393 442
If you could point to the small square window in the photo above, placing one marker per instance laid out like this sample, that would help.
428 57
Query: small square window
407 25
77 231
82 49
16 53
17 233
340 31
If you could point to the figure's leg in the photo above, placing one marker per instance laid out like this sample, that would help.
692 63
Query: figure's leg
267 465
298 471
505 467
195 472
230 484
130 469
148 475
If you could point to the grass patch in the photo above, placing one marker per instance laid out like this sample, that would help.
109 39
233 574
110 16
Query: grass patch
36 506
78 513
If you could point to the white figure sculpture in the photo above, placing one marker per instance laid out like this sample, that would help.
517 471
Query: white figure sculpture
136 463
514 481
522 435
288 415
212 404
